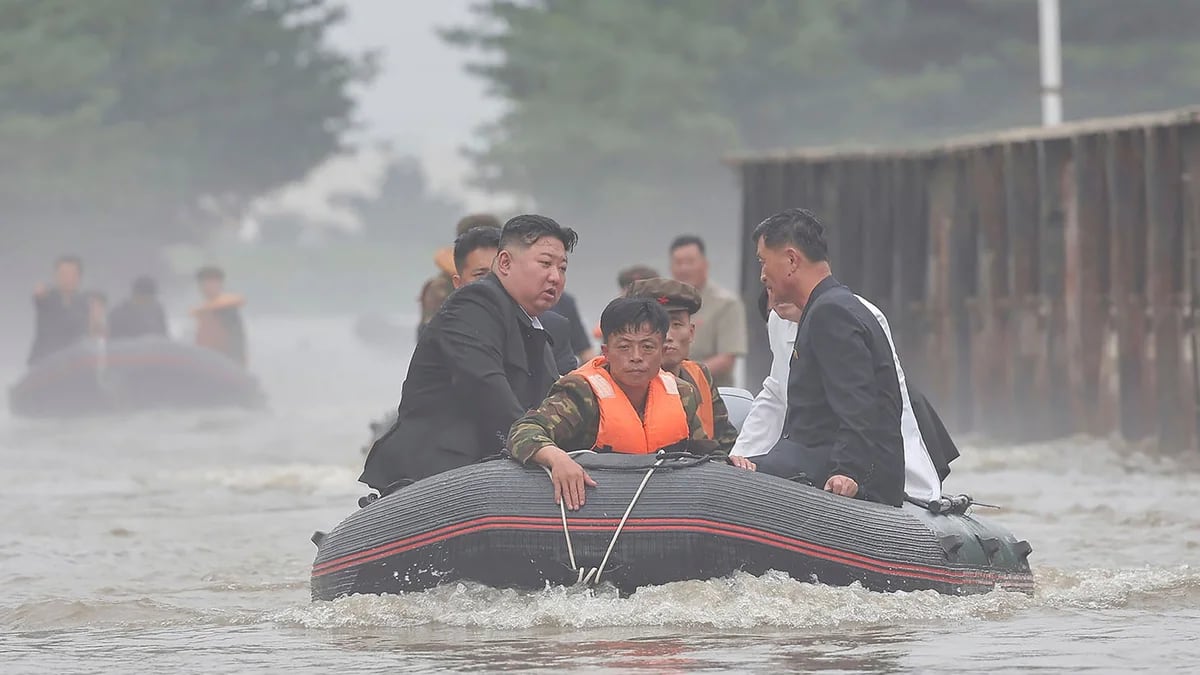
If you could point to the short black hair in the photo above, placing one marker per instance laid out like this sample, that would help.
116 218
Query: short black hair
629 314
688 240
764 305
145 286
70 259
210 272
525 230
472 240
798 227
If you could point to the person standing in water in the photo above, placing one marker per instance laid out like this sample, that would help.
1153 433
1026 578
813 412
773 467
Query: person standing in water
61 312
218 319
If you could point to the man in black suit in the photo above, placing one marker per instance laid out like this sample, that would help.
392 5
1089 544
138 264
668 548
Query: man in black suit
481 362
842 429
474 252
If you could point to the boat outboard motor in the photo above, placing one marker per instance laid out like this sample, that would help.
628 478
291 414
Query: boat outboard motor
737 401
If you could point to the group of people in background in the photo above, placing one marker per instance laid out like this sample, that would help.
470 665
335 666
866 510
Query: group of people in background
720 326
492 371
65 314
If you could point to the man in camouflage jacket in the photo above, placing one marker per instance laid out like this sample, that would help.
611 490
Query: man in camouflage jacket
681 302
630 379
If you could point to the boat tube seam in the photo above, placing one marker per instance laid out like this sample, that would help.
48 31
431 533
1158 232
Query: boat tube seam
700 526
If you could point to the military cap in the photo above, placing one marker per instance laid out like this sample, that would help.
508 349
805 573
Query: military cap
476 220
671 294
631 274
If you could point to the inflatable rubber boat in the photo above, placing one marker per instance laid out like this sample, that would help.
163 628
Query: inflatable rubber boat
655 519
127 375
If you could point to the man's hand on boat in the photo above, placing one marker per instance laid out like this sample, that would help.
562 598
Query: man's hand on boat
742 463
570 480
841 485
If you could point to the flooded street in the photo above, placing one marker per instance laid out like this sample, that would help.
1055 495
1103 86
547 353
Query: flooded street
180 543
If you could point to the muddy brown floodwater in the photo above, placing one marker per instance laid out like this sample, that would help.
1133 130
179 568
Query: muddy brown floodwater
179 543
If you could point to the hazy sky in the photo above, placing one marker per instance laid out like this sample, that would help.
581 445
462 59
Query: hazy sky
422 100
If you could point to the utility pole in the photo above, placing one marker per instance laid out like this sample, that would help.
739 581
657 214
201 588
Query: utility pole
1050 47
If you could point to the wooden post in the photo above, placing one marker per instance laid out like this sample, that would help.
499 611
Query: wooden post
942 347
1164 169
1087 254
1190 152
1022 210
992 371
964 279
1053 166
1126 190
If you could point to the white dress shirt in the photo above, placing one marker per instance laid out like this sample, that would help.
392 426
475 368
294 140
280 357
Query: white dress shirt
764 422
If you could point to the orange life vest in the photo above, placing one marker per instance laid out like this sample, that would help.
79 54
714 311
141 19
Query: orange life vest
620 428
704 388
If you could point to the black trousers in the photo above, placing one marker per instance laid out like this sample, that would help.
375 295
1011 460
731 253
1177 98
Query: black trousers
789 459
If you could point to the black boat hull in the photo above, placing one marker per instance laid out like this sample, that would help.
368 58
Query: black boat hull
131 375
495 523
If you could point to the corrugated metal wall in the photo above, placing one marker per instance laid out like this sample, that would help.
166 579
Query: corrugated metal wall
1038 281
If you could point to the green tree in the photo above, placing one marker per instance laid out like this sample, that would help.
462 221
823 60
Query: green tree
619 110
406 210
151 122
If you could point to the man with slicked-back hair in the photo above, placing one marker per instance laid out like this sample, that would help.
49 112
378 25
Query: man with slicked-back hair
481 362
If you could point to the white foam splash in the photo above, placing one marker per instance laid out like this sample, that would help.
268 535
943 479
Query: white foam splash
1105 589
739 602
742 601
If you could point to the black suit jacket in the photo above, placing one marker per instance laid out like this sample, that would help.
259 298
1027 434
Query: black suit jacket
558 330
941 447
844 402
478 366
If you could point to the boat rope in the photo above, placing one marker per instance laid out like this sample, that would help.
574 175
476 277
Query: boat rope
593 575
562 509
600 570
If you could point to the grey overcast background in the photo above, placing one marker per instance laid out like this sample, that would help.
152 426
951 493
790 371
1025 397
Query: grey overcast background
422 101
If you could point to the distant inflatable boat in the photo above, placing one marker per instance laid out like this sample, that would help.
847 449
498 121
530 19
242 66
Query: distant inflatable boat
655 520
130 375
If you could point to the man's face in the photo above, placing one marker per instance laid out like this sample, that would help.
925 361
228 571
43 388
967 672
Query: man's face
778 265
784 309
689 265
535 276
679 340
476 266
634 357
211 287
67 276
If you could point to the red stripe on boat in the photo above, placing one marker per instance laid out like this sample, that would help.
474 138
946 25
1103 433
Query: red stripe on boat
543 524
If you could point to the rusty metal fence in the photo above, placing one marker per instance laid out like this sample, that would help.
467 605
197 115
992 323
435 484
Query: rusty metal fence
1040 282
